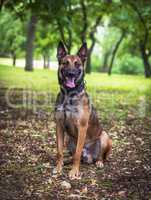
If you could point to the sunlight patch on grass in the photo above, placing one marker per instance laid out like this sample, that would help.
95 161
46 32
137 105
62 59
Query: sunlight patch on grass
46 80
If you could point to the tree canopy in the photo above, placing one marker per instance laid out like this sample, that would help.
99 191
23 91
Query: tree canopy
115 30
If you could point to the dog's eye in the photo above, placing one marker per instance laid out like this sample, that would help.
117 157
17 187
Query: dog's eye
65 63
77 64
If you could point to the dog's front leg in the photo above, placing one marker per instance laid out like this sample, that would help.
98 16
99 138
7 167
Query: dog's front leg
74 173
60 144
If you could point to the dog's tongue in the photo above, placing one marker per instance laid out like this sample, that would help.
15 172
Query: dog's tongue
70 83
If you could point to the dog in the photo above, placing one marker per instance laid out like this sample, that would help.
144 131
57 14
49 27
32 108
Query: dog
75 116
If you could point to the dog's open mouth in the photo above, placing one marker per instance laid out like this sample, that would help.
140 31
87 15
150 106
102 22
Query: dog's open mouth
70 82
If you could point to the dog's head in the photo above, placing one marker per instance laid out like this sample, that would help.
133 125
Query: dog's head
71 67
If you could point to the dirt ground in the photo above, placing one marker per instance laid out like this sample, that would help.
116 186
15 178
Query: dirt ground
28 155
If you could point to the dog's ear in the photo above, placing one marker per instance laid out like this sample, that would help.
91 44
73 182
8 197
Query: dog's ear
61 51
83 51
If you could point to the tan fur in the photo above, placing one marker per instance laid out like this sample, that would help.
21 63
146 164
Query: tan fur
79 120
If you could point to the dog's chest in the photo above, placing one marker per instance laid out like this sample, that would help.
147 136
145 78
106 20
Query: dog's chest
70 110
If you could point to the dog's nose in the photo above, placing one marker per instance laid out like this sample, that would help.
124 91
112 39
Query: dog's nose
71 73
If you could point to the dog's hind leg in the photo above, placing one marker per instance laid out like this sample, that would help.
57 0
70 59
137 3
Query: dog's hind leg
106 147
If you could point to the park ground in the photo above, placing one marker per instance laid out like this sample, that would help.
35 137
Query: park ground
37 63
27 138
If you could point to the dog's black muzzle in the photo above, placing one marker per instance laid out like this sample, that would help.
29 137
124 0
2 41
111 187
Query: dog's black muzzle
71 73
70 77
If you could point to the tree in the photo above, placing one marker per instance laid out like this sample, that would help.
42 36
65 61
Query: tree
115 51
104 67
110 41
46 10
30 42
64 26
143 13
119 20
90 22
139 27
93 41
46 40
12 38
83 13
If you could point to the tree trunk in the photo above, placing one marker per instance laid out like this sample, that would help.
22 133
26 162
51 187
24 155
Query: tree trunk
115 51
85 21
88 63
67 43
61 31
1 4
104 67
44 62
143 42
69 28
145 58
14 59
93 41
30 43
48 61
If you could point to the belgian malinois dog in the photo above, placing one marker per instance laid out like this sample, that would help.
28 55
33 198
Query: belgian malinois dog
75 116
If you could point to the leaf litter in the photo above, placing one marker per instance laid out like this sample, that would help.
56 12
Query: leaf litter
28 156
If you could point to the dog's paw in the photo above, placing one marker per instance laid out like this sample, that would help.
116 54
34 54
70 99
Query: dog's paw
74 174
57 170
99 164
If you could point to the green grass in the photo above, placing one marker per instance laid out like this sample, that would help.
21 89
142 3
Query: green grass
118 82
46 80
110 94
41 80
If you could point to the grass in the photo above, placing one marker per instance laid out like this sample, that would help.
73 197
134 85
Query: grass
40 80
109 93
46 80
28 143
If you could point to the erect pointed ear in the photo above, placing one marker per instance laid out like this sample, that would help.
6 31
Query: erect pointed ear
82 53
61 51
